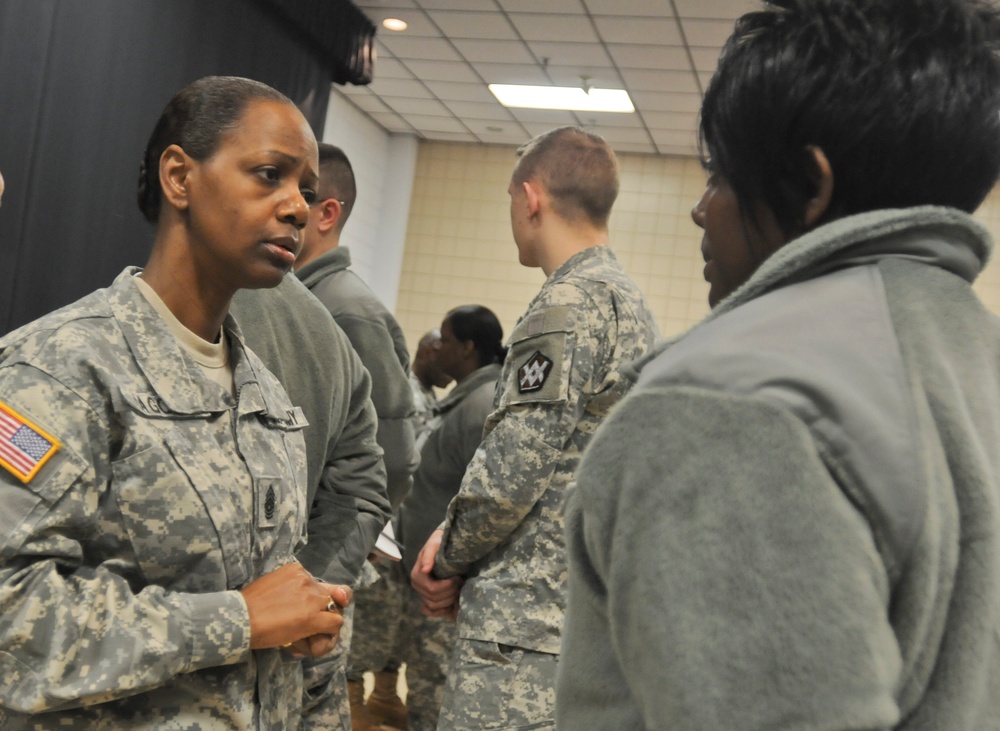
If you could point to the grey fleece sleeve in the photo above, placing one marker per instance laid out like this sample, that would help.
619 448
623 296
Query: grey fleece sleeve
393 399
719 578
350 507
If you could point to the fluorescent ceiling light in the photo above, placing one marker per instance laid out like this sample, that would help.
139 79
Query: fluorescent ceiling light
572 98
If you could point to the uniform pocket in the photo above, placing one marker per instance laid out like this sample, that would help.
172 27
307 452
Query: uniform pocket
171 521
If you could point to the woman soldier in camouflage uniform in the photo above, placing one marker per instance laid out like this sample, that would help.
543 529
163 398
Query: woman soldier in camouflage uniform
152 472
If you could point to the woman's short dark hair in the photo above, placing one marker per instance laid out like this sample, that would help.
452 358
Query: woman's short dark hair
902 96
481 326
196 119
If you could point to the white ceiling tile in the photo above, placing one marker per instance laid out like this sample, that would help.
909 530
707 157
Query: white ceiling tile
391 68
546 27
551 117
457 25
442 71
674 151
705 59
351 90
656 101
706 78
399 87
660 80
540 128
674 58
434 49
648 31
622 134
687 121
707 32
369 103
404 106
610 119
435 123
605 77
494 51
570 54
674 138
499 73
449 91
493 127
508 140
392 122
646 8
474 110
719 9
549 6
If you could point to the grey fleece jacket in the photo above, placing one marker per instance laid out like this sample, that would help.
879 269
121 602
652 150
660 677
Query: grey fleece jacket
298 341
792 522
379 341
457 430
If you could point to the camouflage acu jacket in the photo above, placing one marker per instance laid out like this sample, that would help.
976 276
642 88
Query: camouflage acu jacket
563 373
140 497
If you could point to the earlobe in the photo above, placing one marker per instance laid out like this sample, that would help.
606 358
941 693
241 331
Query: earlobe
819 203
175 166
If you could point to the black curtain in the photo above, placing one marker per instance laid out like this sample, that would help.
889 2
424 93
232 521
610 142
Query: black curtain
81 86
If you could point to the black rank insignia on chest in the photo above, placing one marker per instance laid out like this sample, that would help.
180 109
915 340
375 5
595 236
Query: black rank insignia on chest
531 376
269 503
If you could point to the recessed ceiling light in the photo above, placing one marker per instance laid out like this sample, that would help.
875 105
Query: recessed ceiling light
572 98
394 24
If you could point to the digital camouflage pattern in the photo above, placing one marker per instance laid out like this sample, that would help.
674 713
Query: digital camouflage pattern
493 686
426 650
121 559
504 529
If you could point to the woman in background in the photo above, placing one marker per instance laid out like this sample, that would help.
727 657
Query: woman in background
471 352
152 471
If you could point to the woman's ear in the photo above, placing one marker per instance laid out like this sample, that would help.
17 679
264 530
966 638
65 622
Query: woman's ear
175 167
822 176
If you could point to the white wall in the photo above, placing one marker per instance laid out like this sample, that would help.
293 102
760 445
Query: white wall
384 166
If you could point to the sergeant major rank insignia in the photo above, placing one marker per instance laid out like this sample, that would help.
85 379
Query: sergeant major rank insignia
532 375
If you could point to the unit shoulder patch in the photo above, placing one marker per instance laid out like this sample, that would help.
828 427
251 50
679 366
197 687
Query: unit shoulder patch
24 447
532 374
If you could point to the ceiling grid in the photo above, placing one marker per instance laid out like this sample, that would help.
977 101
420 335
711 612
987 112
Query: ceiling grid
431 80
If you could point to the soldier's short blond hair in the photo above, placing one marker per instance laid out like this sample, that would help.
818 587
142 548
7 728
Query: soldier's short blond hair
577 168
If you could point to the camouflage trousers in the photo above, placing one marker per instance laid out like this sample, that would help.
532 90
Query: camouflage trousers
427 651
390 629
325 706
496 687
378 608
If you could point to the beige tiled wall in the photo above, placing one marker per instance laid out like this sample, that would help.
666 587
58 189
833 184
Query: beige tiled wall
459 248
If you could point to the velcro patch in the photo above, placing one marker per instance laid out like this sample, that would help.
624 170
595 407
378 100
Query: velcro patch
532 374
24 447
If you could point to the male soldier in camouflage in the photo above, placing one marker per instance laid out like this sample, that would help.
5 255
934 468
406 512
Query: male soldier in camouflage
501 544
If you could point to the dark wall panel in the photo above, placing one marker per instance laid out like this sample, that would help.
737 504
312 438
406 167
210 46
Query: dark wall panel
81 86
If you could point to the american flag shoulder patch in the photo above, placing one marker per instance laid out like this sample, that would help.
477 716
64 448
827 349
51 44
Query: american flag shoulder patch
24 448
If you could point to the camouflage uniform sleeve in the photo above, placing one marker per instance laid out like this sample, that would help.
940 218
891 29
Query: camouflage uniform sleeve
73 630
547 376
351 506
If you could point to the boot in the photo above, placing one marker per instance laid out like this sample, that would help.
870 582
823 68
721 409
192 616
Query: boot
360 720
384 706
